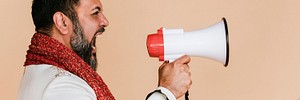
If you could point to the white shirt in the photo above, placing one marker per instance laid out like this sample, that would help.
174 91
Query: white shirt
48 82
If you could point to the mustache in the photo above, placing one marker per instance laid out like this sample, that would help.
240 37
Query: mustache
101 30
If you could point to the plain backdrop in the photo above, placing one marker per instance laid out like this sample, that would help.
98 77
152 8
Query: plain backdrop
264 47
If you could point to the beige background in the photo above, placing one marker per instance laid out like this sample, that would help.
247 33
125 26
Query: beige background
264 43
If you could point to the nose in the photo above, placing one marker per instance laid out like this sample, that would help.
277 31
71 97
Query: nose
103 21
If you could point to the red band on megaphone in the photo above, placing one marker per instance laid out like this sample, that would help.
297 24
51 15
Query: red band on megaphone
155 44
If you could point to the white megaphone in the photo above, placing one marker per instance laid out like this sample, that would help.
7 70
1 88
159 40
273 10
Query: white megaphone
211 42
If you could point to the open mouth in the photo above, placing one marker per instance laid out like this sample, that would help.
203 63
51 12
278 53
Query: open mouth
93 42
93 45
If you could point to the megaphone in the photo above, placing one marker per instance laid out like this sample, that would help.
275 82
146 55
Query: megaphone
211 42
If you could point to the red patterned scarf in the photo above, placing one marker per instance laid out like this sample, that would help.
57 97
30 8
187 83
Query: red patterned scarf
46 50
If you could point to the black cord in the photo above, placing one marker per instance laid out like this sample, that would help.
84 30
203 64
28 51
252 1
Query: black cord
187 95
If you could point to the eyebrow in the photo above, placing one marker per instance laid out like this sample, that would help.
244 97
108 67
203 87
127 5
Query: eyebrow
97 8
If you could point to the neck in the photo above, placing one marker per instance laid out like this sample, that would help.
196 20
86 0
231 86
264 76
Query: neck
62 38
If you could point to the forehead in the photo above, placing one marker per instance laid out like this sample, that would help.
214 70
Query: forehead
86 5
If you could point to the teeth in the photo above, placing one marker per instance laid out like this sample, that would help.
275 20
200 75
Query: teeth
97 36
94 48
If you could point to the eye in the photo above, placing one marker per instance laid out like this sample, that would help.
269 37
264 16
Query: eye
96 13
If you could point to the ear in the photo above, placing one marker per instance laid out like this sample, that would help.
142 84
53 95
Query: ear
60 22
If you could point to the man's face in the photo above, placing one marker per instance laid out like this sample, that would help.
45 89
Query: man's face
90 23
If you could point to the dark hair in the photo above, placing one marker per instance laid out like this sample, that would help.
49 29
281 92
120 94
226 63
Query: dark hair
43 11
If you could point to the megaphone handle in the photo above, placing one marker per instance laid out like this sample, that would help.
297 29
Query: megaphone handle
187 95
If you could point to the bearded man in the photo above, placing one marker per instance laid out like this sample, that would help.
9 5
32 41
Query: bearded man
61 60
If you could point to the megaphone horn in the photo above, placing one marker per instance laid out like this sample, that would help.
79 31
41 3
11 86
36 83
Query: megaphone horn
211 42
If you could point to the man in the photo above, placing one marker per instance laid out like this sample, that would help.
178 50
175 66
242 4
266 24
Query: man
61 60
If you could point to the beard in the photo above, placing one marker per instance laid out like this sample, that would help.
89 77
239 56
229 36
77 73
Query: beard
82 47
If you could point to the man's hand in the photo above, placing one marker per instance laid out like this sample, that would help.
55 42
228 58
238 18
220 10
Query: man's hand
176 76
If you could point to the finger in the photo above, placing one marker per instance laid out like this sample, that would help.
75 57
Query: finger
184 59
163 64
185 68
190 84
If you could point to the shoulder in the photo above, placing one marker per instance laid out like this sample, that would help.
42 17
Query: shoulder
67 86
47 82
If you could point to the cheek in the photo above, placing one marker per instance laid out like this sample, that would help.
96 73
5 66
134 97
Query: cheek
90 26
89 31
